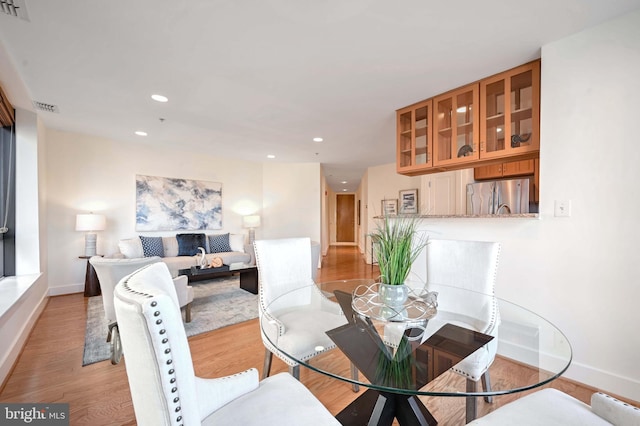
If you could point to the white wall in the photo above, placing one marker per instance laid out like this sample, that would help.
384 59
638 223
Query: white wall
581 272
383 184
87 173
291 201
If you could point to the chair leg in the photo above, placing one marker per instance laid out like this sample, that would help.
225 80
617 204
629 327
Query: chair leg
354 376
116 345
471 401
294 370
486 385
266 368
187 312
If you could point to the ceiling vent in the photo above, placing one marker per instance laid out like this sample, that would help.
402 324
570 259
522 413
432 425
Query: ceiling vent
15 8
46 107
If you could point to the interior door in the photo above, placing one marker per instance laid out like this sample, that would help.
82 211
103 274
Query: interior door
345 214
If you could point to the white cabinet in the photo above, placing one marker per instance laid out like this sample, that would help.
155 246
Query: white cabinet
445 192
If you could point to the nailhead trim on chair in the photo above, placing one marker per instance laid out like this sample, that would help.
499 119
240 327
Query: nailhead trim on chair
167 351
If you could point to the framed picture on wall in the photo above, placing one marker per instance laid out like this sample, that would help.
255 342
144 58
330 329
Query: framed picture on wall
409 201
389 207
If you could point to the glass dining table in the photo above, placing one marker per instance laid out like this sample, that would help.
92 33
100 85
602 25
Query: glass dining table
422 347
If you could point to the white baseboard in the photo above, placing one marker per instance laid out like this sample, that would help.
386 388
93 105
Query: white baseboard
67 289
605 381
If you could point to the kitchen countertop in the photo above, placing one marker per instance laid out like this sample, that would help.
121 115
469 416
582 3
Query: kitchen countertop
465 216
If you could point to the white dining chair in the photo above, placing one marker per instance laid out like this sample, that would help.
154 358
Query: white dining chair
110 270
284 265
473 266
164 387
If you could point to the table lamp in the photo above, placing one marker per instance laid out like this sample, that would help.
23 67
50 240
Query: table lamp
251 222
90 223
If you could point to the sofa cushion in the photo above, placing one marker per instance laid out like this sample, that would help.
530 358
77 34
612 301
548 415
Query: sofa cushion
219 243
152 246
179 262
131 248
188 244
236 241
170 245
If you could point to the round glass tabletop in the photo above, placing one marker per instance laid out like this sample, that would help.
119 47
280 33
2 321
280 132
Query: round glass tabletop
468 334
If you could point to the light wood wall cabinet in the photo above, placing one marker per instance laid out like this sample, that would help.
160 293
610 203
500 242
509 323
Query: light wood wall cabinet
415 143
456 126
485 123
508 169
510 112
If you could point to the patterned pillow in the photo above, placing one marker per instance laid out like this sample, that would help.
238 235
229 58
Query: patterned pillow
188 244
219 243
152 246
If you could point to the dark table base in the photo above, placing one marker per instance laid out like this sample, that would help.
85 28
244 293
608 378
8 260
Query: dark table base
381 408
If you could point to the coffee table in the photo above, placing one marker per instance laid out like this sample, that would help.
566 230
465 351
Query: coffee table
248 274
525 340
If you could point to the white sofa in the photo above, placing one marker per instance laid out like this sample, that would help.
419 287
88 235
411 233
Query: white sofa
552 407
132 248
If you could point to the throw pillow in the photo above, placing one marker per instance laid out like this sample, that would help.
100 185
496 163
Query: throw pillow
236 242
188 243
152 246
170 246
219 243
131 248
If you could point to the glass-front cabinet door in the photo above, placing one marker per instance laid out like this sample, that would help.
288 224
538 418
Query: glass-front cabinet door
456 126
510 112
414 138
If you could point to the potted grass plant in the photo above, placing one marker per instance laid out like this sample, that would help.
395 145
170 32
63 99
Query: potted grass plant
397 244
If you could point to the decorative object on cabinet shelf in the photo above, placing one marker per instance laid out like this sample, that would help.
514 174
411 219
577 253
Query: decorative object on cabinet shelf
389 207
464 150
252 222
516 139
408 201
90 223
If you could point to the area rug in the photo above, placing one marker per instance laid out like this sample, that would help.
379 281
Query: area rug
216 303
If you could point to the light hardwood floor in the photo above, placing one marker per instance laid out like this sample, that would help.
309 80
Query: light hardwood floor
50 366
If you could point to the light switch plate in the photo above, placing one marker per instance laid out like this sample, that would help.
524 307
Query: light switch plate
562 208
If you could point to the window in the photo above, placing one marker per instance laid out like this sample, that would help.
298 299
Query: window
7 201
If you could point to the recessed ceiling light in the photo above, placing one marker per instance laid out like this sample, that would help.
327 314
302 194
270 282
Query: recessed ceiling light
159 98
344 190
271 156
318 139
141 133
343 182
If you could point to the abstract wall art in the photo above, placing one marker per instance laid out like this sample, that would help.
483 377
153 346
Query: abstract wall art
170 204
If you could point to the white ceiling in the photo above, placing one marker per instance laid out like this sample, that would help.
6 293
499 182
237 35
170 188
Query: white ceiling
255 77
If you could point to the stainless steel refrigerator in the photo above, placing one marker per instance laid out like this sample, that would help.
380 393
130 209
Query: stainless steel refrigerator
498 197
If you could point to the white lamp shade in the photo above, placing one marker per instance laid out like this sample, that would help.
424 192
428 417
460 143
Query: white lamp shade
252 221
90 222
